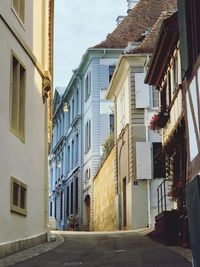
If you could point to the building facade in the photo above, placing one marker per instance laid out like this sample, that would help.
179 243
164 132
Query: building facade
171 120
94 74
26 83
78 136
188 16
136 180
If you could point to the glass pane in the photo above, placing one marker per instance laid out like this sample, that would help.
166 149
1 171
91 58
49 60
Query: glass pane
15 5
22 102
23 198
15 194
21 9
14 95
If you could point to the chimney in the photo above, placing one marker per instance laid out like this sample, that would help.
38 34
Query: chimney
131 4
119 19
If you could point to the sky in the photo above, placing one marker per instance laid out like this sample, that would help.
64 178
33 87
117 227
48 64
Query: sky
78 26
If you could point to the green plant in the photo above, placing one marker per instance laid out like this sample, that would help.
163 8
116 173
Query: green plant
108 144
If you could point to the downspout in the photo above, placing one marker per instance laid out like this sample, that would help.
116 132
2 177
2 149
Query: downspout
78 77
118 186
148 181
46 175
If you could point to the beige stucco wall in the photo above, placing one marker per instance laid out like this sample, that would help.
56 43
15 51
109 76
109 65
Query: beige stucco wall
25 161
104 196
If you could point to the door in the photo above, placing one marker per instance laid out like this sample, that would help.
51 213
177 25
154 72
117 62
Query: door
124 203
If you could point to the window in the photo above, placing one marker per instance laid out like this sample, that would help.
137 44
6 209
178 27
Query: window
68 201
77 102
73 111
61 205
17 99
18 197
169 91
111 71
87 86
77 147
72 198
72 163
50 209
87 175
76 196
69 115
68 159
19 7
155 97
55 208
175 73
158 161
112 123
122 110
87 136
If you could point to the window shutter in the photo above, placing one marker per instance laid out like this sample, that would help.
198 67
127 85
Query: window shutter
141 91
143 150
184 35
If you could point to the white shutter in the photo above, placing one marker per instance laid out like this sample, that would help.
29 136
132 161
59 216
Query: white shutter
143 160
142 94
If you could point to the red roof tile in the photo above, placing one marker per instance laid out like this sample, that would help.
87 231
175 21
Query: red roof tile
142 17
148 44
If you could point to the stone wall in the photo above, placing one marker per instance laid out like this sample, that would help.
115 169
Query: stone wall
104 196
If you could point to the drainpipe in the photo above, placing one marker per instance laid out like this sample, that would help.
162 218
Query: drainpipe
148 181
149 203
46 176
118 187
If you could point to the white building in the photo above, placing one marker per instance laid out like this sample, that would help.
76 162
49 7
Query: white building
26 30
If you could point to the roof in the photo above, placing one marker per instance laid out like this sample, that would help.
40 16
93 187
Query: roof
142 17
149 43
60 90
167 40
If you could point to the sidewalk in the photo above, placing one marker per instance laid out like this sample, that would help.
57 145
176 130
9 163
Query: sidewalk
185 252
31 252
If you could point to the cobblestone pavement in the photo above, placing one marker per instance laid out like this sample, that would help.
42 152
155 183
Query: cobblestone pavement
112 249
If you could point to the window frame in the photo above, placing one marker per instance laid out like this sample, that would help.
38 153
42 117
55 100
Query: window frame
87 136
17 14
16 208
88 85
21 64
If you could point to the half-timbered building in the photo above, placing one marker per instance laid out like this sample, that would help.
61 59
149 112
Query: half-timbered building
165 74
189 25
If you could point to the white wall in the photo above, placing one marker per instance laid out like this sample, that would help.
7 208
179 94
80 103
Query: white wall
23 161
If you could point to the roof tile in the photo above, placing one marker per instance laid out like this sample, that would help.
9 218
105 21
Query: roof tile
142 17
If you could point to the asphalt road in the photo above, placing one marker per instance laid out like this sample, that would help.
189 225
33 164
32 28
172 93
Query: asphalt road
108 250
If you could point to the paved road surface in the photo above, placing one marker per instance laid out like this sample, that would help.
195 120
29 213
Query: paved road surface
108 250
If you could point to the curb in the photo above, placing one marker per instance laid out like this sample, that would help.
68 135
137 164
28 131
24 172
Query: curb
31 252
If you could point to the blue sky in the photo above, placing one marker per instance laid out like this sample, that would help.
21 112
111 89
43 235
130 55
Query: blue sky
78 26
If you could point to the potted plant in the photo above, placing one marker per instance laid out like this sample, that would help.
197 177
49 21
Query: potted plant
159 120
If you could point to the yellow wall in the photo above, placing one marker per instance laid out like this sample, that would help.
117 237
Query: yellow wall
104 195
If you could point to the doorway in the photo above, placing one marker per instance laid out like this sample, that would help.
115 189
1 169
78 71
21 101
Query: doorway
124 203
87 208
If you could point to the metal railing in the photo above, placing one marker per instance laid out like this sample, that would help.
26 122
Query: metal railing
162 194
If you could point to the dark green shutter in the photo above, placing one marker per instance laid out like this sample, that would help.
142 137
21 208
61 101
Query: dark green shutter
182 5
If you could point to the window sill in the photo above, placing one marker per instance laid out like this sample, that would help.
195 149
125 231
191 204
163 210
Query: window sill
22 139
18 210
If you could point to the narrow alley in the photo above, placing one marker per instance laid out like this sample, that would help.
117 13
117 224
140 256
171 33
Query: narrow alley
117 249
